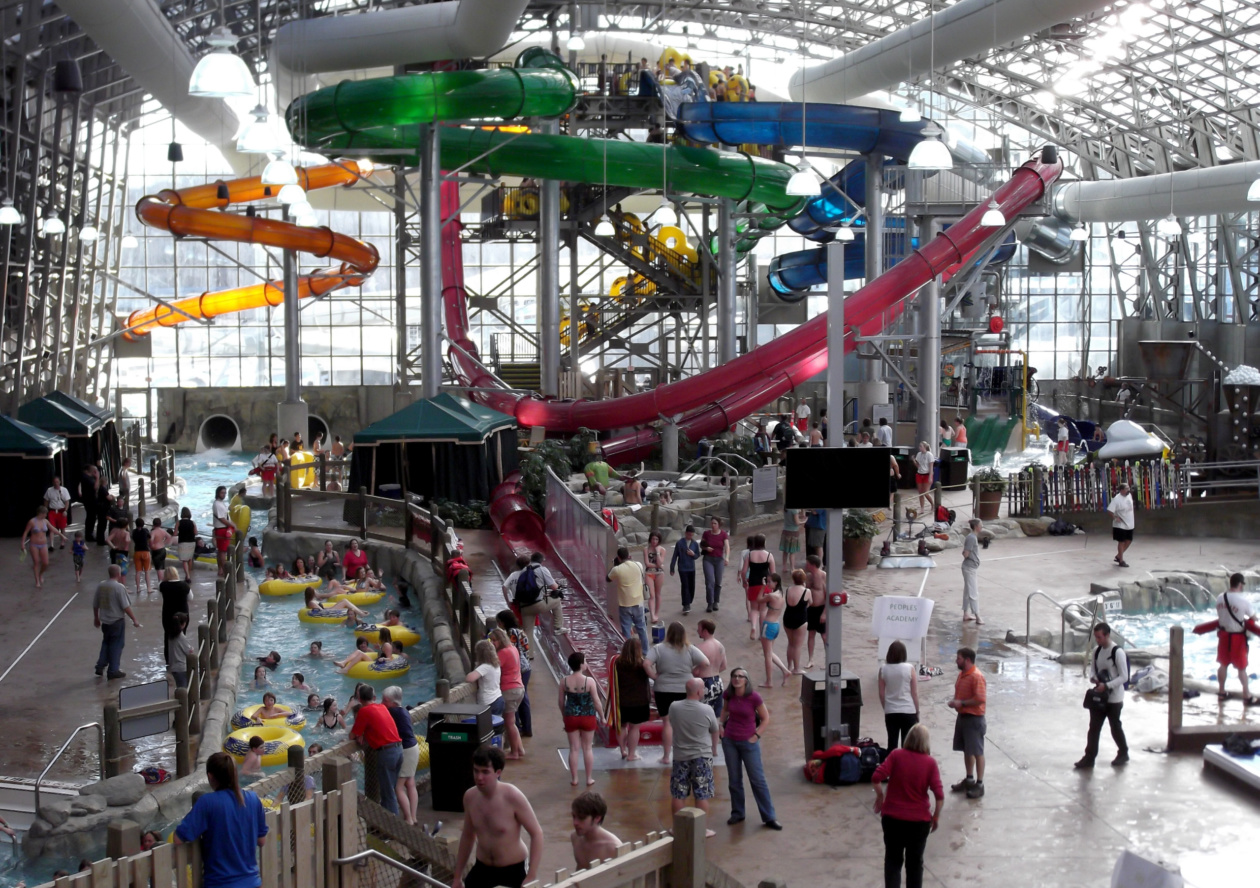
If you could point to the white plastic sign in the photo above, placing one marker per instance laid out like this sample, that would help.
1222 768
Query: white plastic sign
900 616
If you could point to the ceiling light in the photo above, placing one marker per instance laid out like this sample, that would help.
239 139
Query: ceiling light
931 153
54 225
291 193
130 242
366 167
910 115
259 135
604 228
1079 233
9 214
1168 227
300 207
844 234
307 220
667 215
220 74
279 172
89 233
804 184
993 216
1253 193
575 43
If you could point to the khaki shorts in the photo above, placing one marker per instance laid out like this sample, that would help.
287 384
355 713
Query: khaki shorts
512 700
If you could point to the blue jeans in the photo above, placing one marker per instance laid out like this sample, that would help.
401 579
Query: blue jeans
742 754
388 764
524 719
112 637
713 568
687 580
632 620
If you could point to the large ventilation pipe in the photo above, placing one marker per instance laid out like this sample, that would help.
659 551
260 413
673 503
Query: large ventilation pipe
1206 191
1050 237
967 29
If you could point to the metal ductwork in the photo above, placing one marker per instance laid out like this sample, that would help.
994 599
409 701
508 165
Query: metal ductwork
1206 191
1050 237
967 29
456 30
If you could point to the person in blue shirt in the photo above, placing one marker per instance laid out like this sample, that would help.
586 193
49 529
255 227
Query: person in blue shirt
686 551
231 826
816 532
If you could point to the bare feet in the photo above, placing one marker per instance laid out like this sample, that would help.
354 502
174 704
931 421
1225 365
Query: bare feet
708 834
765 686
632 758
664 760
573 783
590 781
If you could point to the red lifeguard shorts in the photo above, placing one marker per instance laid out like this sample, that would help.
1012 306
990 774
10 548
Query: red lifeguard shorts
1231 649
58 519
222 538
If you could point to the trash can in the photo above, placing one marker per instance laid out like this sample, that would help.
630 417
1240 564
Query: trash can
905 465
954 462
814 709
496 721
454 732
390 491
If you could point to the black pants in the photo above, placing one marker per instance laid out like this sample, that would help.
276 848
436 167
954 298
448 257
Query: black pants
102 520
904 841
89 520
687 579
1096 718
899 725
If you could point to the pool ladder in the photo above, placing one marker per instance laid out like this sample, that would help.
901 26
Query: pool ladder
100 733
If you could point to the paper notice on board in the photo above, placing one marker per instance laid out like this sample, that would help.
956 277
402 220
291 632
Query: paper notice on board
765 484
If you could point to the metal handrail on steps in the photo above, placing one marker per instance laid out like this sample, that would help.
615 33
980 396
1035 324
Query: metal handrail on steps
1028 618
100 731
373 854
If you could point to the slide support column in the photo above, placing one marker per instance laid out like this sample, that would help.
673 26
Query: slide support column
726 282
549 280
929 349
291 413
430 260
835 517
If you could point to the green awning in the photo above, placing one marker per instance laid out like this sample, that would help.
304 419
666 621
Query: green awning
53 416
445 417
19 438
101 413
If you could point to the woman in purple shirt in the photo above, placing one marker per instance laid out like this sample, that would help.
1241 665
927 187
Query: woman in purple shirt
744 717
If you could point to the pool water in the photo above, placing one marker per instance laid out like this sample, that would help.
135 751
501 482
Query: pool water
277 628
1150 631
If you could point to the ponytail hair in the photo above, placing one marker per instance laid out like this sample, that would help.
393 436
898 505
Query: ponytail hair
221 771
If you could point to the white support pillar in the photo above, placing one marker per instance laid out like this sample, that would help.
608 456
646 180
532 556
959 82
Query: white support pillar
929 349
549 280
726 282
430 260
835 517
291 413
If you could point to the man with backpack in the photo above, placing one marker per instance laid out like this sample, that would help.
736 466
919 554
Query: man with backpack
532 590
1110 672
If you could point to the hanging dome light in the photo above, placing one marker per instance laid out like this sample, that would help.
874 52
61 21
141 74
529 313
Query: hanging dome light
665 213
844 234
279 172
9 214
300 208
307 219
1168 227
291 193
804 183
259 135
129 242
575 43
604 228
220 74
1079 234
89 233
366 167
931 153
1253 193
910 115
993 216
54 225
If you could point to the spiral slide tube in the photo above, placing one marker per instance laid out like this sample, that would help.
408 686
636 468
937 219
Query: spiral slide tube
192 212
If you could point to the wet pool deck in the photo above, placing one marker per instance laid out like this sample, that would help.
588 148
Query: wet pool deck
1041 823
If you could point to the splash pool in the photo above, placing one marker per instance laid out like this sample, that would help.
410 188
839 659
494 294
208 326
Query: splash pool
1150 631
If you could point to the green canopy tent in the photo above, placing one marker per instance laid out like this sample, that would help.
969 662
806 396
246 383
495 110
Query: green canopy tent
443 447
85 443
111 446
29 458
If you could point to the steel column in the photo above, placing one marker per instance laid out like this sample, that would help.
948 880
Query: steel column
575 327
835 517
430 260
726 282
929 349
549 280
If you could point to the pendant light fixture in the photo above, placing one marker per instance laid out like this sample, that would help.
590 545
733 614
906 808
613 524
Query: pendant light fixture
89 233
9 214
604 228
291 194
803 182
1168 227
279 171
259 135
575 43
931 153
1253 192
52 224
129 242
844 234
910 115
993 216
221 74
1079 233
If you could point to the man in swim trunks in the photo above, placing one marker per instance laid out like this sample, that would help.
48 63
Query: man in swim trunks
222 528
711 674
494 815
1232 613
57 499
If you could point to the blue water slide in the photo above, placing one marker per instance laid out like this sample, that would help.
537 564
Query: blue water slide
845 127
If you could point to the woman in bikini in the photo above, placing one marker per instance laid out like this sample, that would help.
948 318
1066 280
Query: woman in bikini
759 568
654 563
35 541
341 608
770 601
363 653
795 617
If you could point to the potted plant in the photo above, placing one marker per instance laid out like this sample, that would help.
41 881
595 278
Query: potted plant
859 529
988 485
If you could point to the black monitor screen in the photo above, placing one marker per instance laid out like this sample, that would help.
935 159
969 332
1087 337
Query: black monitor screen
837 477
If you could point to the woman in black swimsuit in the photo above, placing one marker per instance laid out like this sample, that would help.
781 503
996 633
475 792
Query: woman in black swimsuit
795 616
760 565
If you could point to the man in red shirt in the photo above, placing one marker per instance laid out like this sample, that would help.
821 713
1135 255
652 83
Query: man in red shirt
969 727
374 727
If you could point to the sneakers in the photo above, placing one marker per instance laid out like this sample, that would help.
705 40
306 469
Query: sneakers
1123 563
964 785
686 610
114 675
1083 764
976 791
774 825
709 609
100 670
734 819
1120 761
716 606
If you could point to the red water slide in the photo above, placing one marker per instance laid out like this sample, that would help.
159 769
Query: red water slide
712 401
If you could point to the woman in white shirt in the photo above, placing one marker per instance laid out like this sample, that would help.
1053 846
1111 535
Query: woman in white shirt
487 674
923 460
898 694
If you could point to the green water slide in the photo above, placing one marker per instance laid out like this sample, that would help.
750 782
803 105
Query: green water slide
988 437
381 117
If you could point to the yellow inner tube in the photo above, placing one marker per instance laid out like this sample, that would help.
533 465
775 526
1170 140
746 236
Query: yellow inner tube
300 477
423 763
402 634
291 586
276 743
377 670
290 719
322 616
240 515
358 599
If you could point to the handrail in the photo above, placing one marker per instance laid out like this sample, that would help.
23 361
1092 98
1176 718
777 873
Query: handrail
707 461
373 854
1062 618
101 745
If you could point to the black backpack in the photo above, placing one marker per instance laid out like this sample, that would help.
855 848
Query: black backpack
869 759
1115 666
842 770
527 589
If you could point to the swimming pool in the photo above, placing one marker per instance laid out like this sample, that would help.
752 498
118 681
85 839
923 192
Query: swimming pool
1150 631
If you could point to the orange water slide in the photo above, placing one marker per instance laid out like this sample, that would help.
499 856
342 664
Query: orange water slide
195 212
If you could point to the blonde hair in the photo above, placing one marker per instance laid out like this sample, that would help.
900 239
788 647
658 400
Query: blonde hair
500 639
918 740
171 573
485 655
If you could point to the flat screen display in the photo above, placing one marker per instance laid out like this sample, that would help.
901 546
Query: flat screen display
837 477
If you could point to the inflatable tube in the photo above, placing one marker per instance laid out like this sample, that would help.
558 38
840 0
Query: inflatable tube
276 743
240 516
358 599
423 763
291 586
293 720
299 477
234 501
401 634
379 670
322 616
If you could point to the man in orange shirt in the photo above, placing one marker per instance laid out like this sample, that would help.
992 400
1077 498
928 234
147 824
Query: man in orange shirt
969 727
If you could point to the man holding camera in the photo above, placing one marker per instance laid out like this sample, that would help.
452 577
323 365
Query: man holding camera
532 590
1110 671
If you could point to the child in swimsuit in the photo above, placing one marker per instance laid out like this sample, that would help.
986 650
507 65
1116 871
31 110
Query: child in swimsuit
78 551
770 601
